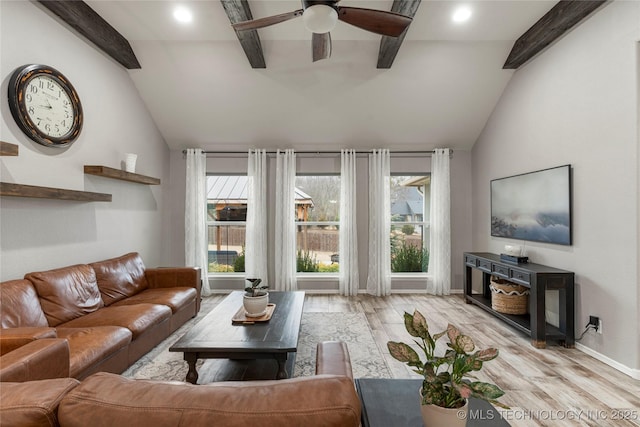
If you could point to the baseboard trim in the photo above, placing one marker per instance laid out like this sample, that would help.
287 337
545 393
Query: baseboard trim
633 373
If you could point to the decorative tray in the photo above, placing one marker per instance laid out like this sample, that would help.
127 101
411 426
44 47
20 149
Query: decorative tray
241 316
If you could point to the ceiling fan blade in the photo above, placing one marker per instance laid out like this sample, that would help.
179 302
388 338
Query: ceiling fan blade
321 46
254 24
377 21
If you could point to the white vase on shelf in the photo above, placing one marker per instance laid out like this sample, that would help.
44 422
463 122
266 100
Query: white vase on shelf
130 162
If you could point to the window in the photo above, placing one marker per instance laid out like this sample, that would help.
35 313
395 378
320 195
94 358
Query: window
409 223
226 222
317 222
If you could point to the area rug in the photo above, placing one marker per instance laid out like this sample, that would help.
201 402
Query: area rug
352 328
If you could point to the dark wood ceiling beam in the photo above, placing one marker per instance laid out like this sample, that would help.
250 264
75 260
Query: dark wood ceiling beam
239 11
561 18
87 22
389 46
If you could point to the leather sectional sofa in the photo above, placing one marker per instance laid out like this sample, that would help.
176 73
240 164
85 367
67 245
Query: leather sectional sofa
326 399
102 317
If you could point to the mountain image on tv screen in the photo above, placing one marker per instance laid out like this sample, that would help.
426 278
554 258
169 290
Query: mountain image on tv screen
534 206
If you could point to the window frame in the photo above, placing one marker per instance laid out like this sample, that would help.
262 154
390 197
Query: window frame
310 276
209 223
424 223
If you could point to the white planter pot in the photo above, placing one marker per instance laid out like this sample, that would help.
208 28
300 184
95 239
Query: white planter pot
256 306
437 416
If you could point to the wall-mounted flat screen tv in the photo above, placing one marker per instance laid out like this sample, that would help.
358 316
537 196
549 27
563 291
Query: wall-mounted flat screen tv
534 206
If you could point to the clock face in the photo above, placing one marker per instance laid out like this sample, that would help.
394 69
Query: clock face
49 106
45 105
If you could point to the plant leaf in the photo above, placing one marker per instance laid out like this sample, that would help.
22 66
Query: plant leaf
420 325
452 333
486 391
465 343
408 324
486 355
473 364
464 390
403 352
443 377
437 336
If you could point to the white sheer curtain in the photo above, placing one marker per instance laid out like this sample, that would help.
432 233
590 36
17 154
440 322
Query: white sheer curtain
379 277
285 256
195 215
256 237
440 224
348 232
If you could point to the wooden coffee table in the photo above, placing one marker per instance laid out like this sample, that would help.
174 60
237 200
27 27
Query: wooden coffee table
216 337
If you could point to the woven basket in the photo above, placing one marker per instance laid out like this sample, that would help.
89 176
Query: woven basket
508 297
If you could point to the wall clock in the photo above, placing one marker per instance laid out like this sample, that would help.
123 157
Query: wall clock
45 105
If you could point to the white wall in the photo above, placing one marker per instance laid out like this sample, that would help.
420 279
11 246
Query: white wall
38 234
460 210
577 103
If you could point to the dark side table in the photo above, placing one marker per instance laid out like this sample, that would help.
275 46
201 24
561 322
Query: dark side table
396 403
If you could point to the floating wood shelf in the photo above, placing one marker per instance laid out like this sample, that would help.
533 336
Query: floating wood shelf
119 174
34 191
7 149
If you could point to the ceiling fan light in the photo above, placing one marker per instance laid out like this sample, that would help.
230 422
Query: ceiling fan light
320 18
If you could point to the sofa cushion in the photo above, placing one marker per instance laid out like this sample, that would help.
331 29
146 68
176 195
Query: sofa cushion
88 346
66 293
174 298
121 277
137 318
33 403
19 305
306 401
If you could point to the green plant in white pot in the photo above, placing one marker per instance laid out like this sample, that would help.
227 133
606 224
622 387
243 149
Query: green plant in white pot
256 298
445 385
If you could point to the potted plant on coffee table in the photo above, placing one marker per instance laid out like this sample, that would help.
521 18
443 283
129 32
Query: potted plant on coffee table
445 387
255 298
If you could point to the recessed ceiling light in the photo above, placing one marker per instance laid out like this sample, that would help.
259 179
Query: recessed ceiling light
182 14
461 14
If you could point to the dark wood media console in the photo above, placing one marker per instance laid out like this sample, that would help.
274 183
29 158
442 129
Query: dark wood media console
538 278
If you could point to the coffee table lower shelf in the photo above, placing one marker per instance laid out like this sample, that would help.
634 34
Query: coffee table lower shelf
217 370
395 402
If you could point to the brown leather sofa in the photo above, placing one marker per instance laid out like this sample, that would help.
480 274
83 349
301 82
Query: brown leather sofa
326 399
102 317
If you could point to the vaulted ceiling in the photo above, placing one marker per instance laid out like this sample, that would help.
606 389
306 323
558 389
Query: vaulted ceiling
435 86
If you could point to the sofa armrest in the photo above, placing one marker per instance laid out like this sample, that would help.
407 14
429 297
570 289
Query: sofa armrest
33 403
40 359
13 338
332 358
173 277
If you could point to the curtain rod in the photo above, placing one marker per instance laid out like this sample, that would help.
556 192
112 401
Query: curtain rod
318 152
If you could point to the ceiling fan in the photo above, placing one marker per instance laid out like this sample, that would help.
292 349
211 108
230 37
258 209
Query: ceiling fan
321 16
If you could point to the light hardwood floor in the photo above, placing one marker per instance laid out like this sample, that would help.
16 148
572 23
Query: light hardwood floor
555 386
